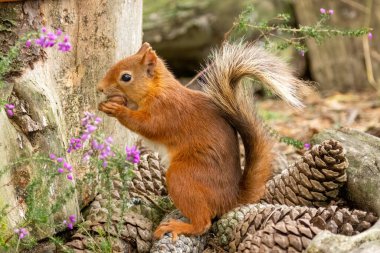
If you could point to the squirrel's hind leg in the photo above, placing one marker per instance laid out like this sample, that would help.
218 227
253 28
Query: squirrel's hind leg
190 198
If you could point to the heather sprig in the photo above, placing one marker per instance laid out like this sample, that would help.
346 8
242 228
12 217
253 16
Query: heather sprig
9 109
21 232
44 39
133 154
70 222
278 34
50 39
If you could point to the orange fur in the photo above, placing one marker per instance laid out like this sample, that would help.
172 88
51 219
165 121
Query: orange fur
204 177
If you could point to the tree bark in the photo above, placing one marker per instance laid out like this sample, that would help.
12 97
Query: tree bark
51 96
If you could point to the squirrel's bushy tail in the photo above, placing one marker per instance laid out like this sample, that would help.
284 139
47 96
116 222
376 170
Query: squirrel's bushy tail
226 69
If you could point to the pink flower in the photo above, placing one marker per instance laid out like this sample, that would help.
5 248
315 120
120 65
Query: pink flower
68 166
133 154
331 12
370 36
22 232
60 170
9 110
52 156
50 39
307 145
70 176
322 10
10 113
72 218
28 43
58 32
71 222
70 226
59 159
9 106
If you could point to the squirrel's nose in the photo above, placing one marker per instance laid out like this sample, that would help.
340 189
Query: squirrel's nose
99 87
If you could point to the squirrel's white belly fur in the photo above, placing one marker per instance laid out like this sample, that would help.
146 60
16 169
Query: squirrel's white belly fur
160 148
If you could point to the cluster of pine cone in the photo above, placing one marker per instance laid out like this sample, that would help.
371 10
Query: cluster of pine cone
298 203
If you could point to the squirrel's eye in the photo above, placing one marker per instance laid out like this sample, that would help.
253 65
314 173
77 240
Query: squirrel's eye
126 77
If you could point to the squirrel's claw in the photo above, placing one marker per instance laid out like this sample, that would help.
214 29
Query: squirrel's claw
167 227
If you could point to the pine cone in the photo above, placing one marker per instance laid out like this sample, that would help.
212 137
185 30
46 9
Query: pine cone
81 242
134 231
185 244
149 176
314 180
261 226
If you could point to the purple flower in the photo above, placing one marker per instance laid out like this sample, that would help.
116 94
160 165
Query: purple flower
84 137
370 36
71 222
52 156
109 140
72 218
68 166
50 39
59 159
28 43
75 143
10 113
70 226
322 10
70 176
22 232
133 154
60 170
9 106
91 128
64 46
307 145
9 109
97 120
331 12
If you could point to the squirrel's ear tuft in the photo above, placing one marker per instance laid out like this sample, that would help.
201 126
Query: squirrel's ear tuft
144 47
150 60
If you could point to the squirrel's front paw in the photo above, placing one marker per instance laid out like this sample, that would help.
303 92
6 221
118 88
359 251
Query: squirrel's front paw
111 108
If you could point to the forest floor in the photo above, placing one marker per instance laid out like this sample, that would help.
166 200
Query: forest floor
360 111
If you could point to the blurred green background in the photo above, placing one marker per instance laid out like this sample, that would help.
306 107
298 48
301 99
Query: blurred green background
183 32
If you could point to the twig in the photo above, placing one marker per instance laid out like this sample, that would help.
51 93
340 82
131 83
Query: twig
18 244
197 76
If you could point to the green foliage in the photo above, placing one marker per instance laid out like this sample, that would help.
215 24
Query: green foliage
9 59
278 34
43 202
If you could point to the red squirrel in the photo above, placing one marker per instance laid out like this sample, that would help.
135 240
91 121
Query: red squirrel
199 128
